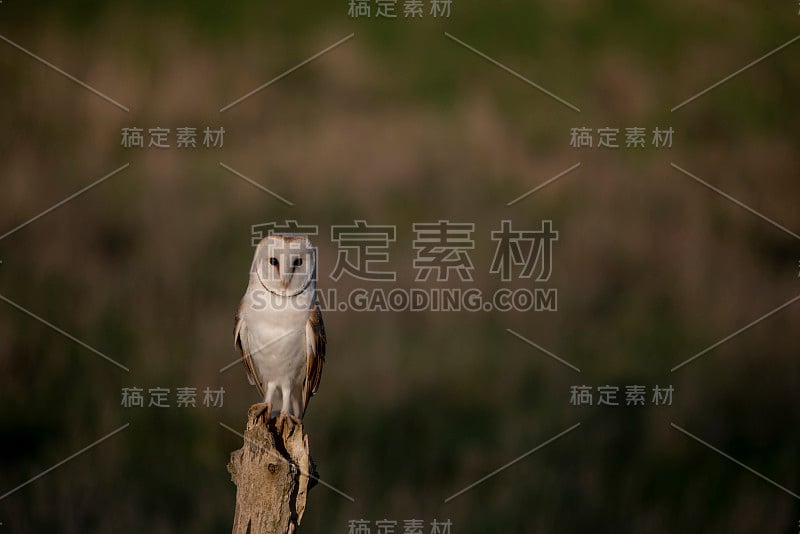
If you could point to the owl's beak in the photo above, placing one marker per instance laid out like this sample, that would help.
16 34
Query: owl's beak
286 279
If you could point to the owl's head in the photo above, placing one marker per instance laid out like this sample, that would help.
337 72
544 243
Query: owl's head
286 264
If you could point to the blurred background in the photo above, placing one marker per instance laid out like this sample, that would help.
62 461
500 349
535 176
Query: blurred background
399 125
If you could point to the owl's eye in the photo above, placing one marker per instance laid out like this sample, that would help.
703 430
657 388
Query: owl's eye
273 261
297 262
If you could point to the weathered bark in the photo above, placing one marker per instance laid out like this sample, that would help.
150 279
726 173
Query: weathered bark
271 472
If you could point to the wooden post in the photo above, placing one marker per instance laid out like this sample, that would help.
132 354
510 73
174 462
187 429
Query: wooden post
271 472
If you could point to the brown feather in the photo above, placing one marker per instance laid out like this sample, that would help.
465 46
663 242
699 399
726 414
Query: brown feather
316 356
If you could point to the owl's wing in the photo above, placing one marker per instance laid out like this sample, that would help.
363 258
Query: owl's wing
315 354
244 350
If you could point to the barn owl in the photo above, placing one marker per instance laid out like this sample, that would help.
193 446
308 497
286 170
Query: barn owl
279 330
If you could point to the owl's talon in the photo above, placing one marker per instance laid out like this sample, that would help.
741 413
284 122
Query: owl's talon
287 419
296 420
264 411
279 422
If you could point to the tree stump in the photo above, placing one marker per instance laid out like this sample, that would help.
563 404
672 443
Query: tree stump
273 472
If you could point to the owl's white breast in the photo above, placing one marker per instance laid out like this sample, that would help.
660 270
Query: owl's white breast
276 338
